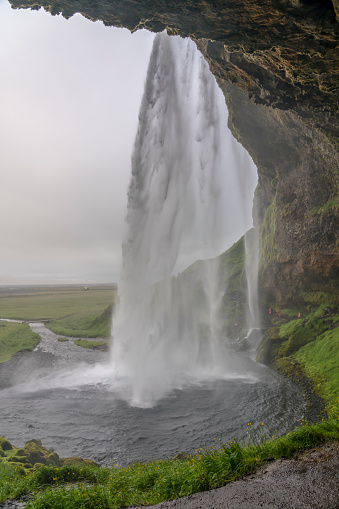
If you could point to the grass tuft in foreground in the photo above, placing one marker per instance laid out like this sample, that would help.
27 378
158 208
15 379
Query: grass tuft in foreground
80 487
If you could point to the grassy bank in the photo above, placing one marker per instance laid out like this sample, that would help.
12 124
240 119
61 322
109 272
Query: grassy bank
15 337
308 346
92 345
84 324
72 486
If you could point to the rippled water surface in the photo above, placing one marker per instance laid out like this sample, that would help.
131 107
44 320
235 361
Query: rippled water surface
89 419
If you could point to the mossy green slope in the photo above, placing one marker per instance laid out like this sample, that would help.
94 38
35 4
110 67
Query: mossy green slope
310 345
232 276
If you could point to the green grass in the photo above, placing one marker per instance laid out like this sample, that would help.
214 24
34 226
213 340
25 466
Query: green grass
297 333
321 363
92 345
313 341
84 324
15 337
83 487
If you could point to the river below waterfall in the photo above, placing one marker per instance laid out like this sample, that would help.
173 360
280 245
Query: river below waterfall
90 419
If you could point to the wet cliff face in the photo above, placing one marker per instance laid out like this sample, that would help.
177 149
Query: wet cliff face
277 63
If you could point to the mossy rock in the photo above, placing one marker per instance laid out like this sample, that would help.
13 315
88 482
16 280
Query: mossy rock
268 347
36 453
36 466
2 452
80 462
20 452
17 459
5 444
34 441
53 459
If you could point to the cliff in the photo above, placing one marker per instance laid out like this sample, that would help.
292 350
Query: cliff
277 64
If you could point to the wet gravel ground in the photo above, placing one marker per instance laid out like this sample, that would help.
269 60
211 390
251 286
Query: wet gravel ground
308 481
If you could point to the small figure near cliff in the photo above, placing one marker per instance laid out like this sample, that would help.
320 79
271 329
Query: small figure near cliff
269 311
279 312
299 315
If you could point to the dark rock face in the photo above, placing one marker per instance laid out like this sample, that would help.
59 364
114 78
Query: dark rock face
277 63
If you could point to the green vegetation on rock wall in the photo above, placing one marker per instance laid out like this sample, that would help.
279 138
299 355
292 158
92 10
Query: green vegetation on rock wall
268 241
232 275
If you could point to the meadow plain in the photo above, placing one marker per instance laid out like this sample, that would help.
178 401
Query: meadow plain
75 311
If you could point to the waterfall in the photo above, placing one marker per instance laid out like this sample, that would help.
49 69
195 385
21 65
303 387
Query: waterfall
185 202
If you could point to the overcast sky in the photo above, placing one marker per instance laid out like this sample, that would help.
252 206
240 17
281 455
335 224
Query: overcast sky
70 92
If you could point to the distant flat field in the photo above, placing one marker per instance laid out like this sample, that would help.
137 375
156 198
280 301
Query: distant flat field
52 303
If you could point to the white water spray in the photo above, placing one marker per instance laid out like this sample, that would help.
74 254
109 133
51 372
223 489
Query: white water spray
186 185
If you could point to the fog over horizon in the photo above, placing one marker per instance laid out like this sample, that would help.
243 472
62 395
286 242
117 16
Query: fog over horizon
70 95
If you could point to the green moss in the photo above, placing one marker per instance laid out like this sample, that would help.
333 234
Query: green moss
5 445
318 298
15 337
233 279
63 340
298 333
267 351
232 266
267 239
331 204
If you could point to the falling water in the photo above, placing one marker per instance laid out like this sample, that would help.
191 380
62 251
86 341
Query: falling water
185 189
190 198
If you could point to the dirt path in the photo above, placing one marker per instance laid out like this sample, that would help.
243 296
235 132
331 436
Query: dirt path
310 481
